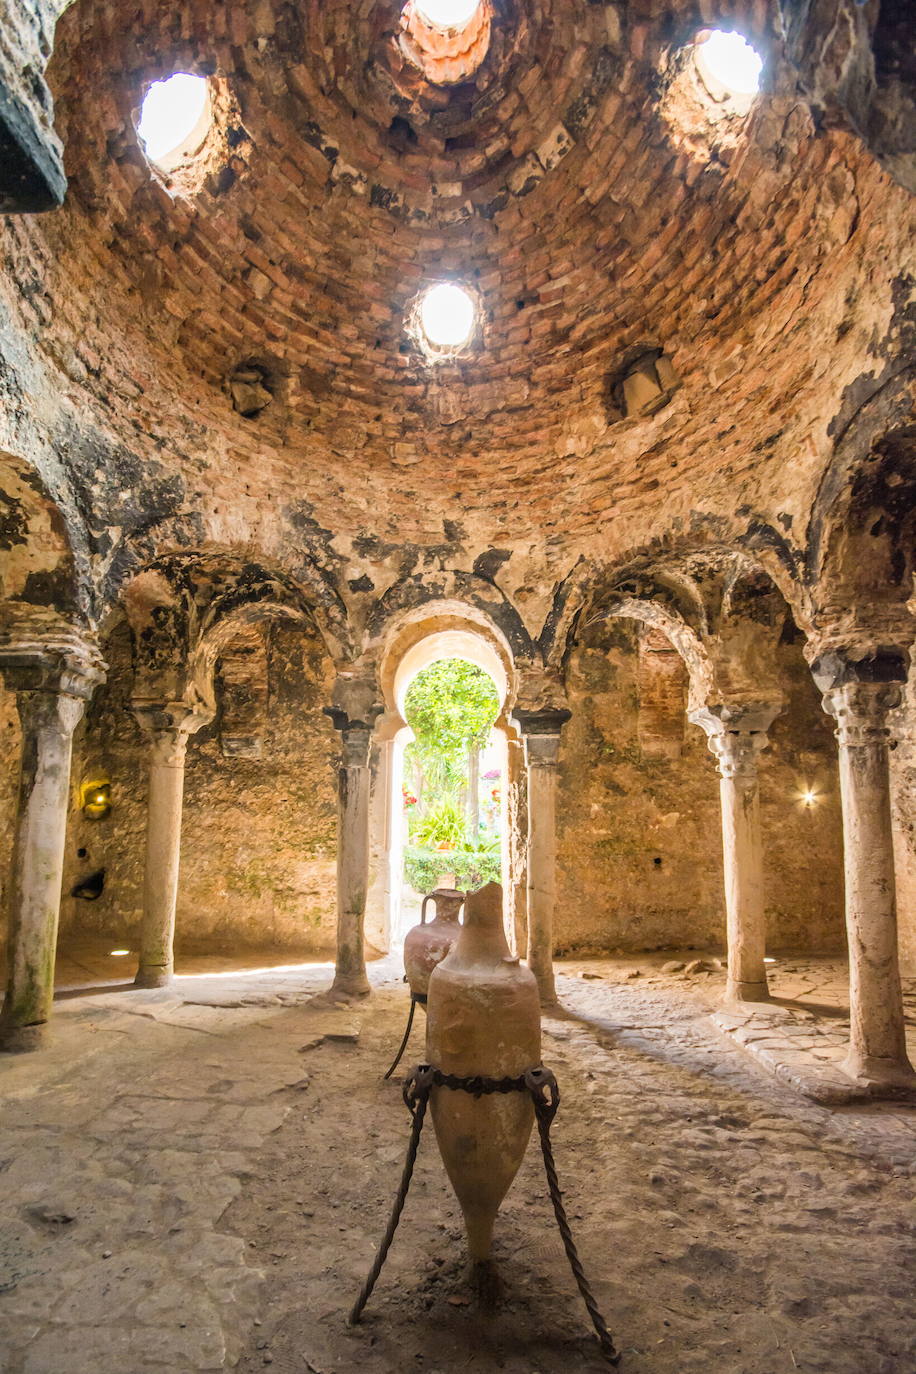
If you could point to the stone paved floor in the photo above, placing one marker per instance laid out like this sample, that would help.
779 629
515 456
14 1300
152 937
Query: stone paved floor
195 1179
800 1036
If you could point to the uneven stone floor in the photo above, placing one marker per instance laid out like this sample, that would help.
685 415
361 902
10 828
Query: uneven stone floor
196 1180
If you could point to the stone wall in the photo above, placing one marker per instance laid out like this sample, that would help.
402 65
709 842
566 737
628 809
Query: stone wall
259 833
640 859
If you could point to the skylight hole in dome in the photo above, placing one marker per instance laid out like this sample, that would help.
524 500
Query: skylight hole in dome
174 119
447 14
447 315
730 60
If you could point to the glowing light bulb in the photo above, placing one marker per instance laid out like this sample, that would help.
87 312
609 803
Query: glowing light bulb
447 315
808 797
117 953
171 112
732 62
447 14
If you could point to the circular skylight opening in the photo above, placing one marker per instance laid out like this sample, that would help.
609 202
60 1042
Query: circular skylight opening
174 119
731 62
447 14
447 315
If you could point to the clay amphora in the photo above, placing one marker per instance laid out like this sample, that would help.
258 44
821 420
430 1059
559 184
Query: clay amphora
427 944
483 1018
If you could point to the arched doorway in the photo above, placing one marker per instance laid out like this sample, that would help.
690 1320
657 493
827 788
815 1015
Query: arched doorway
414 647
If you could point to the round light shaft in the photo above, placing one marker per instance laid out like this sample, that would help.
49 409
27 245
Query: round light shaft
447 315
173 113
732 62
447 14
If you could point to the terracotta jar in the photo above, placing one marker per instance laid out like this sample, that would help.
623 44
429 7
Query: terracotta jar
483 1019
427 944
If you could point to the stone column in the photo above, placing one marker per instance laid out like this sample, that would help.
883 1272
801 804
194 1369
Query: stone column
514 866
877 1044
541 735
736 737
169 726
52 686
353 789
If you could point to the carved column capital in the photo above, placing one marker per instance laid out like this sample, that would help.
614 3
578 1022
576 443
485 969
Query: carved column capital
355 709
355 736
839 667
540 729
357 697
737 735
860 691
48 710
56 659
170 725
860 710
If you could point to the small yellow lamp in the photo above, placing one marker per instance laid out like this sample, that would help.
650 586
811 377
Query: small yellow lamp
95 800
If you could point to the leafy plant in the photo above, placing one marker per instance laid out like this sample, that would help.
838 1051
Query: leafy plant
424 868
443 824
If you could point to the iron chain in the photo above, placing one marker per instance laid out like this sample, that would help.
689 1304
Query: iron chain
542 1086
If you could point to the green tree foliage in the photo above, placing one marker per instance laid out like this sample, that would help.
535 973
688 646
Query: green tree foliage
451 707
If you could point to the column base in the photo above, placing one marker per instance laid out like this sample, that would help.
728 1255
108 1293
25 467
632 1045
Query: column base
153 977
746 992
875 1071
350 985
24 1039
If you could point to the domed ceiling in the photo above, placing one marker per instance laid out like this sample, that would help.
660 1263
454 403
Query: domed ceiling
595 200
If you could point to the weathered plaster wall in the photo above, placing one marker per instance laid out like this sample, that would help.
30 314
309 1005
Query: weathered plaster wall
903 802
259 834
621 808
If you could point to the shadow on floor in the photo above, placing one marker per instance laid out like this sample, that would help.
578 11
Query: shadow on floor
68 994
837 1013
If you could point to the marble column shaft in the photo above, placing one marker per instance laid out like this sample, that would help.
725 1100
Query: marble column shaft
48 720
169 727
877 1047
737 735
353 790
53 669
541 734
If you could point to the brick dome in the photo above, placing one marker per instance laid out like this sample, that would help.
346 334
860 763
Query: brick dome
576 181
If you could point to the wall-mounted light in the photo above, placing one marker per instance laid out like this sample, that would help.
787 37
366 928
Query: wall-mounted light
808 797
95 800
